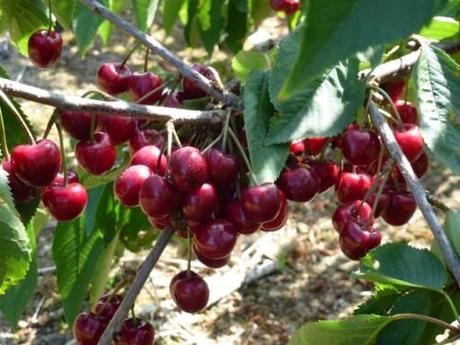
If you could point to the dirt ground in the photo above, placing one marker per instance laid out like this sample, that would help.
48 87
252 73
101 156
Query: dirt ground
309 277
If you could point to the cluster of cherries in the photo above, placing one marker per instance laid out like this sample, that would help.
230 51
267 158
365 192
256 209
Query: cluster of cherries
287 6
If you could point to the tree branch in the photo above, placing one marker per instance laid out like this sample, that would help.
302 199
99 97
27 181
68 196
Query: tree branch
65 102
158 48
136 287
417 190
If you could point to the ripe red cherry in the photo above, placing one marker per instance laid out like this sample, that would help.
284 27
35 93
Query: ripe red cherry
410 140
421 165
234 213
281 218
355 211
212 263
402 207
222 167
190 89
314 146
407 112
77 124
382 203
142 84
88 328
119 128
352 186
36 164
144 137
189 291
173 100
72 177
22 193
129 183
96 157
150 156
158 197
65 202
261 203
328 173
107 305
297 147
287 6
356 242
188 168
113 78
45 47
360 147
299 184
216 238
135 332
394 88
160 223
201 203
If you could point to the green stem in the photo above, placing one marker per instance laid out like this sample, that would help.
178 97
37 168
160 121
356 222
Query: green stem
169 130
176 137
63 160
18 116
438 204
50 124
426 318
93 126
225 130
451 304
377 198
376 182
150 93
212 143
3 143
243 154
390 101
189 250
146 60
131 52
104 95
50 17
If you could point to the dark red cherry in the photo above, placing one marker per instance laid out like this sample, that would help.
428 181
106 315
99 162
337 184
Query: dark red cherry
88 328
361 147
402 207
173 100
421 165
119 128
142 84
201 203
144 137
188 168
299 184
281 218
45 47
135 332
36 164
297 147
107 305
190 89
355 211
158 197
327 172
211 263
216 238
394 88
189 291
287 6
96 157
22 193
129 183
160 223
382 203
261 203
314 146
150 157
352 186
113 78
234 213
72 177
65 202
410 140
222 167
77 124
355 241
407 112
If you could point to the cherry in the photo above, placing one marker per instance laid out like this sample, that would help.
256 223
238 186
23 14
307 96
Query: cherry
142 84
234 213
216 238
192 90
361 147
328 173
150 157
160 223
36 164
107 305
88 328
141 138
173 100
129 183
355 241
261 203
65 202
421 165
352 186
299 184
402 207
22 193
113 78
188 168
314 145
96 157
222 167
382 203
77 124
201 203
410 140
119 128
394 88
297 147
189 291
281 218
45 47
135 332
355 211
407 112
212 263
287 6
72 177
158 197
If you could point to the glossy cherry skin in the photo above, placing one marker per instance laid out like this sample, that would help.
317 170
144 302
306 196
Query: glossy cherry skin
150 156
216 238
189 291
142 84
88 328
113 78
22 193
356 242
281 218
45 47
72 177
287 6
328 173
402 207
200 204
77 124
352 212
158 197
190 89
107 305
135 332
261 203
65 202
407 112
160 223
99 157
119 128
222 167
410 140
234 213
211 263
361 147
144 137
352 186
188 168
37 164
314 146
129 183
297 147
299 184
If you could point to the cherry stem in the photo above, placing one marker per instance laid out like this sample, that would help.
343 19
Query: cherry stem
377 197
169 130
18 116
212 143
150 93
61 145
162 150
390 101
133 313
426 318
104 95
451 303
225 130
146 60
243 154
130 53
50 18
93 126
176 137
438 204
374 186
189 250
50 124
3 143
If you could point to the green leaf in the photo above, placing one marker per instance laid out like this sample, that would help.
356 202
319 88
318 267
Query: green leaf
335 30
5 191
237 24
452 9
171 9
266 161
357 330
64 11
136 233
437 81
210 23
260 9
401 265
246 61
107 216
440 28
145 11
380 303
452 228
